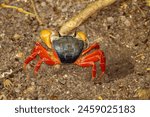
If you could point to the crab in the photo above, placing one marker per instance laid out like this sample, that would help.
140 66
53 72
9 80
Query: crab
65 50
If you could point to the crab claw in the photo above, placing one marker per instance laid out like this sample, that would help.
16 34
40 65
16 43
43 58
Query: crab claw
81 35
47 35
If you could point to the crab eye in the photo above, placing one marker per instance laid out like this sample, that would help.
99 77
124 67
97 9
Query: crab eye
55 35
74 34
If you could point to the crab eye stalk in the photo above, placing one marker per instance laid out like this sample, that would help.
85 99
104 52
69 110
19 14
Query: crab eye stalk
58 34
74 34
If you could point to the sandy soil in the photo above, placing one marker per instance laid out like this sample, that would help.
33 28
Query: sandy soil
122 30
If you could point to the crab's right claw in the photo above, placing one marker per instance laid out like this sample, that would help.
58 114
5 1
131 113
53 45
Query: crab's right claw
47 35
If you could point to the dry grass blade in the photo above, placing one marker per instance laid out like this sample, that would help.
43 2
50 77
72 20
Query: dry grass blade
83 15
17 8
35 12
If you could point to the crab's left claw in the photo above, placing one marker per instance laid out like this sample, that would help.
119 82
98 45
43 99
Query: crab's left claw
47 35
81 35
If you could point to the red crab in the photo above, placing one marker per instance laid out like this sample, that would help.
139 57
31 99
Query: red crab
67 49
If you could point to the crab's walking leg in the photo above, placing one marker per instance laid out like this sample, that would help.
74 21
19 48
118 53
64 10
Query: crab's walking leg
48 61
88 64
30 58
49 58
93 46
101 60
38 66
95 56
35 52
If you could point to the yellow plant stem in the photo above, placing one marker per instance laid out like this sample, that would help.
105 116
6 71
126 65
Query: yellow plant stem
17 8
35 12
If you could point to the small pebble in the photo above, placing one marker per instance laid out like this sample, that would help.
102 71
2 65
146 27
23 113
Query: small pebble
65 76
19 55
30 89
110 19
67 92
16 36
17 90
43 4
56 66
125 21
33 83
2 35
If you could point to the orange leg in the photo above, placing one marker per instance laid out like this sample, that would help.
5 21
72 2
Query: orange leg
30 58
90 59
38 65
93 46
99 58
44 57
95 56
89 64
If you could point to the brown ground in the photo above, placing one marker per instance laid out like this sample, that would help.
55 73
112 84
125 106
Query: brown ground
122 29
